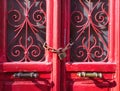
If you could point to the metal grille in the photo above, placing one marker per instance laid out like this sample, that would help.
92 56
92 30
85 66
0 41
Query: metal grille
26 30
89 30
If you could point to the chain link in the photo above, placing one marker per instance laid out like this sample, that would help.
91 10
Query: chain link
59 50
49 48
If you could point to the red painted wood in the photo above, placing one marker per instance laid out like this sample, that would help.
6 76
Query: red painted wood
1 86
99 67
26 85
49 28
107 69
117 42
56 43
76 86
65 27
18 67
111 30
7 69
2 28
52 71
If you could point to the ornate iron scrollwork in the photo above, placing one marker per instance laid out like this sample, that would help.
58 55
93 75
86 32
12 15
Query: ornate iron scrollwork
89 30
26 30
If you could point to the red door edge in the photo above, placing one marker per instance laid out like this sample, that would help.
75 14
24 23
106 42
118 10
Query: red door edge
117 40
56 43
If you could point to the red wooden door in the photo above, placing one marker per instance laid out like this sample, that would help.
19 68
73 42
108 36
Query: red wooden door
23 64
87 27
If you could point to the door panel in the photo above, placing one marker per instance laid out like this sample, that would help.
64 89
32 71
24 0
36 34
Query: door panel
76 86
87 26
26 85
23 64
26 30
89 30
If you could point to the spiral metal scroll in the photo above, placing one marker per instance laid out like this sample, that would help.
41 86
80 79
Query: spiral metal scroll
26 30
89 30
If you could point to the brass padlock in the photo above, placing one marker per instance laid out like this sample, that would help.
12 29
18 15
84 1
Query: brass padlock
62 55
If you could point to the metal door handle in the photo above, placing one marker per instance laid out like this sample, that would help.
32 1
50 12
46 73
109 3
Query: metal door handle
25 75
90 74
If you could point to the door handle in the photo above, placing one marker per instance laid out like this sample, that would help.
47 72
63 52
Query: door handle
25 75
90 74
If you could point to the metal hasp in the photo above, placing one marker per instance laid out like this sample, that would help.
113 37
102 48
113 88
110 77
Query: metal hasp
90 74
25 75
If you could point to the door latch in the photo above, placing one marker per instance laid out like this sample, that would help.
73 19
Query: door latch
25 75
90 74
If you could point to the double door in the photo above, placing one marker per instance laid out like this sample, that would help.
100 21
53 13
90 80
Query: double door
59 45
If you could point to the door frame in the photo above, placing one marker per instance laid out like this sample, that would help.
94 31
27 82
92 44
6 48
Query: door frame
53 39
117 43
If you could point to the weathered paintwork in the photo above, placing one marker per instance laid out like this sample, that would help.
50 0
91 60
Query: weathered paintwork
61 75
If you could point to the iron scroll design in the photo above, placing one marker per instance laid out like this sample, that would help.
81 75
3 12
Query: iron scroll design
89 30
26 30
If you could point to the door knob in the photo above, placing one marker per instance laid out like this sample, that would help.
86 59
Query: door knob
90 74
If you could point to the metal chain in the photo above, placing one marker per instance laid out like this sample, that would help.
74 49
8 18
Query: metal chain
59 50
49 48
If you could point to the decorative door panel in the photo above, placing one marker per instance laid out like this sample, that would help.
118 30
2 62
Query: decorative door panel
23 64
89 28
26 30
